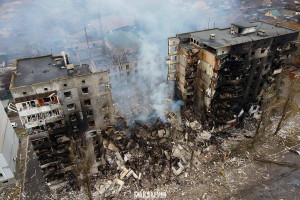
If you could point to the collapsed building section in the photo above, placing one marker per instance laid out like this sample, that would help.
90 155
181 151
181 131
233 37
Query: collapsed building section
221 73
52 151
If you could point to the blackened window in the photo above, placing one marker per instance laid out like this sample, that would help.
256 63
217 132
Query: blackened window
85 90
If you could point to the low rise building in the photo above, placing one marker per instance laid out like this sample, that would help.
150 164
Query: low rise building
9 145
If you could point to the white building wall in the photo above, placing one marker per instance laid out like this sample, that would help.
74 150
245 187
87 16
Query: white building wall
9 144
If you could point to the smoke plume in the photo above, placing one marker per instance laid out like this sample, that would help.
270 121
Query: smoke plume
36 27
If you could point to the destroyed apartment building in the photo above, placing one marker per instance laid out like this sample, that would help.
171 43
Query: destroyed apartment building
48 90
57 101
221 73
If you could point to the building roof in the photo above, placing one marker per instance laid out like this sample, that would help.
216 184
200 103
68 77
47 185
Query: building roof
123 39
223 37
244 24
42 69
275 13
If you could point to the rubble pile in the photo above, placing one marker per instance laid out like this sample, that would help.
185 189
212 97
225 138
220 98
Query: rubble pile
148 156
140 157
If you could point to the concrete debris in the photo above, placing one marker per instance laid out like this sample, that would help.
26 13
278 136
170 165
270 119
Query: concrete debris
132 173
195 125
124 172
161 133
127 157
204 135
179 170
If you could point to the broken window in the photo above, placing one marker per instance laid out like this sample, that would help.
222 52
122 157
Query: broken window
261 84
91 124
102 87
71 106
87 102
46 89
24 105
46 100
252 53
105 109
89 113
266 67
34 118
83 81
65 85
67 94
73 117
127 66
259 60
174 49
75 128
24 92
32 103
85 90
263 50
128 73
103 98
106 118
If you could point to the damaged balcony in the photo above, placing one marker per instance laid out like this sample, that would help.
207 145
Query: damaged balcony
230 96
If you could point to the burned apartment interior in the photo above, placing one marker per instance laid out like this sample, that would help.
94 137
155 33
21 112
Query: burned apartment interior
221 75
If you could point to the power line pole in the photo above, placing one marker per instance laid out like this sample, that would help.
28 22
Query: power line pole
87 42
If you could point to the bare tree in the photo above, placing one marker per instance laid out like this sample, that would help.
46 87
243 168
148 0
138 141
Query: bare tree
82 166
289 100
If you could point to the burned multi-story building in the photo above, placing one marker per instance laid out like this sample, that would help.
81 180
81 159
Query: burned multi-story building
49 91
60 101
221 73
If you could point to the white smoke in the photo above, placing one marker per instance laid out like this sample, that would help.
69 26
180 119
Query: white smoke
40 22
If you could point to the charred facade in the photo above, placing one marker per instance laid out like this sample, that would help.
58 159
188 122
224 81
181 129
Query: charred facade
50 92
59 103
221 73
